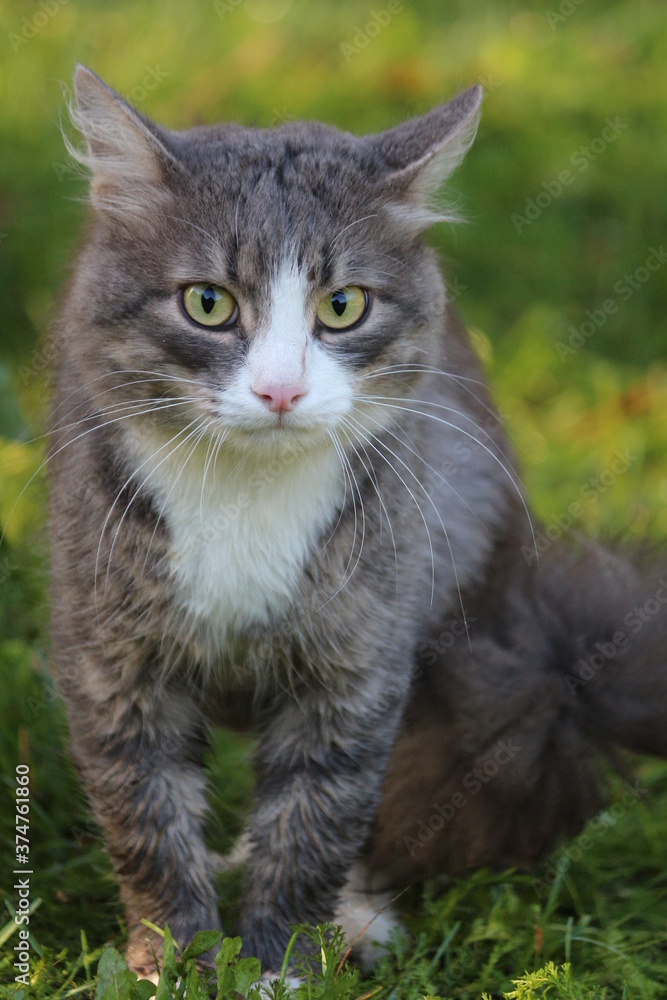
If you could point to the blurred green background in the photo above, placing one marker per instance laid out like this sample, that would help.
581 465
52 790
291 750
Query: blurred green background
550 271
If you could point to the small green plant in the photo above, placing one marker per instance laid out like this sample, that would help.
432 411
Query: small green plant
324 972
552 981
179 977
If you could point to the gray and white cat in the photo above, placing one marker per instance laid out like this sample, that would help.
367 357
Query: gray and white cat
281 494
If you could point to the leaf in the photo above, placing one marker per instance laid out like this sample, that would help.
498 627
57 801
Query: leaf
168 958
229 949
143 990
226 981
248 972
164 991
234 975
195 988
202 942
168 971
115 979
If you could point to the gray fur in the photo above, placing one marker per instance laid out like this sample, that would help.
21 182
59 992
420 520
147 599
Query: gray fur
327 681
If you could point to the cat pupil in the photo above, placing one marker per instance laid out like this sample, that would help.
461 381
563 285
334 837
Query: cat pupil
339 302
208 300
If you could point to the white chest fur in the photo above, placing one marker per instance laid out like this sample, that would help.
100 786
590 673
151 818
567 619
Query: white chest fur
240 534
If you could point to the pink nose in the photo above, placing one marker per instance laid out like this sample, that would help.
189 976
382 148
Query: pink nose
279 397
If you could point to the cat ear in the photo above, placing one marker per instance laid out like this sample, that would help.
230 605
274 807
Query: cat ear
419 155
124 151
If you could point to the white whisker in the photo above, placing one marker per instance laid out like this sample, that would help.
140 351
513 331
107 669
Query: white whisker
449 409
90 430
412 367
361 431
467 434
442 525
338 449
435 472
134 407
156 376
347 575
170 664
117 498
372 475
349 226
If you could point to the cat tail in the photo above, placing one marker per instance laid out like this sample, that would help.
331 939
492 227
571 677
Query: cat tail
506 741
609 611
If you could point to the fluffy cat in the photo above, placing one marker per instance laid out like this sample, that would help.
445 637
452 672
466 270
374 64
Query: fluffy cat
281 494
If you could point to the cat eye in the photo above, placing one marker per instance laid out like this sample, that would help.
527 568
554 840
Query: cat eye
209 305
343 308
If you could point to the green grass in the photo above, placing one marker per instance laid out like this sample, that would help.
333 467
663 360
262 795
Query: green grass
598 907
593 924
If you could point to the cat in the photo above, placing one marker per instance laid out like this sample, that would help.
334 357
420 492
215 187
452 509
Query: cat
281 496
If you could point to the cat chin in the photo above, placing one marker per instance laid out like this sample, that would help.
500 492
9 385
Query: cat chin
278 442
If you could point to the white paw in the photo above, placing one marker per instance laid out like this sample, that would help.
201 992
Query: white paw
367 918
152 977
293 982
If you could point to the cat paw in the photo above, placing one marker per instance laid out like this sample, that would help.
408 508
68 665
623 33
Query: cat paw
367 917
141 957
141 952
263 984
144 972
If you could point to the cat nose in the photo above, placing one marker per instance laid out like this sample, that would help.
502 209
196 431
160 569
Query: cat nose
279 397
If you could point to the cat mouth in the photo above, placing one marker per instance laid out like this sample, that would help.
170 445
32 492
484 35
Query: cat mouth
280 433
284 422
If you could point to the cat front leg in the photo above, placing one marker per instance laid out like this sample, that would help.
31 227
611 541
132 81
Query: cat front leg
320 765
141 770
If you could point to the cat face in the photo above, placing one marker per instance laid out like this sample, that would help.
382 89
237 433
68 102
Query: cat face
259 281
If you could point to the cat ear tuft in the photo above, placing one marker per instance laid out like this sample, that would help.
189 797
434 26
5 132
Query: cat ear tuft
123 150
420 154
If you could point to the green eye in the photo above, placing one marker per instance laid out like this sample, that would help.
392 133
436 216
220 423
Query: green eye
343 308
209 305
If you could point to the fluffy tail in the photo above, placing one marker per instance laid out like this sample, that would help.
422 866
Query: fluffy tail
503 745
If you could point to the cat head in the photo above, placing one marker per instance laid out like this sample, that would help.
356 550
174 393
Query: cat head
264 280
